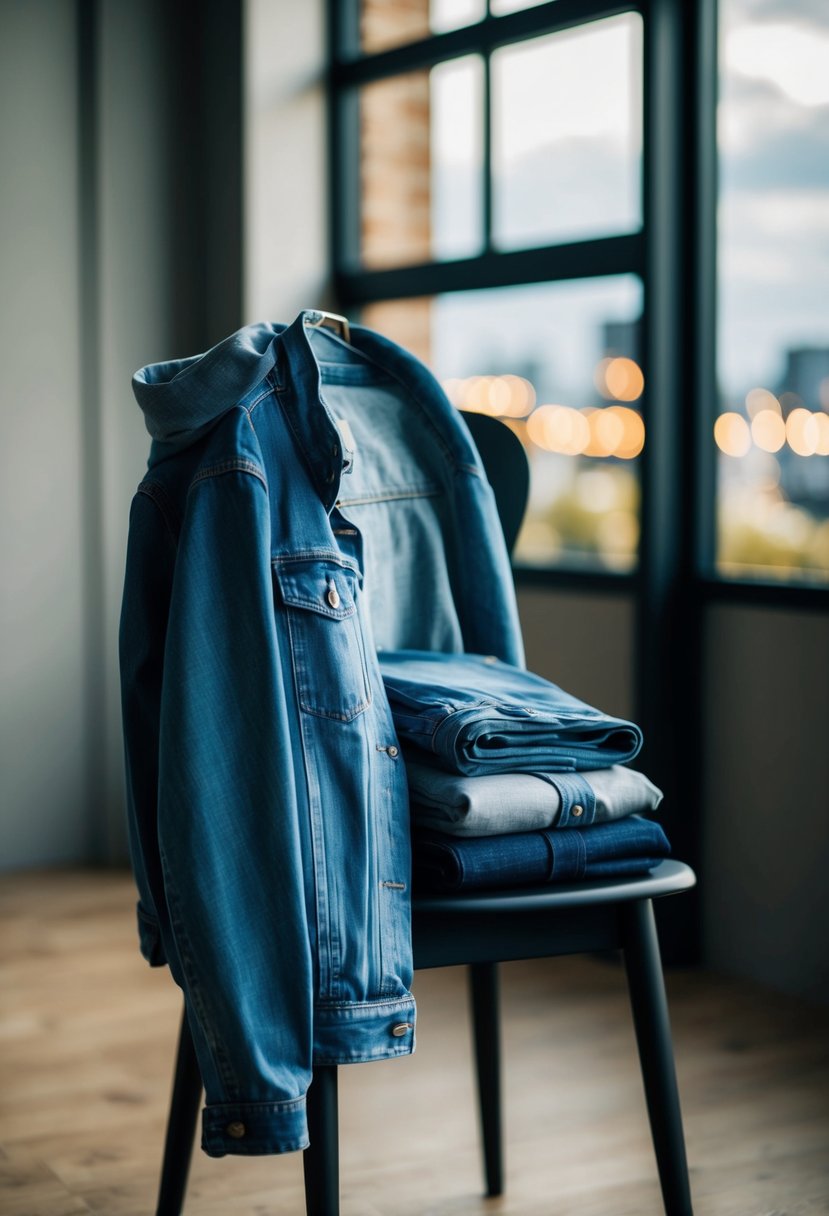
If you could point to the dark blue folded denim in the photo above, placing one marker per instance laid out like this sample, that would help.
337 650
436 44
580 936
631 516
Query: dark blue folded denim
475 715
606 850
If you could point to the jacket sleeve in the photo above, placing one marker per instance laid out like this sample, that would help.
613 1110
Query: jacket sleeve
144 608
224 834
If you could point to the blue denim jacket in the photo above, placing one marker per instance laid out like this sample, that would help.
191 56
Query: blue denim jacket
306 503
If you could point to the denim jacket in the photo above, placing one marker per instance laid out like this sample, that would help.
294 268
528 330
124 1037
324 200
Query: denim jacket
307 502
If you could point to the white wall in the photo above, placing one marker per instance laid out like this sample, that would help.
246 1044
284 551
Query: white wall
44 812
135 321
286 240
72 457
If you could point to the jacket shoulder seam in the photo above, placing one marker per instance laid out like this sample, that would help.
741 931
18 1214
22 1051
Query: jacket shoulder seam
155 491
234 465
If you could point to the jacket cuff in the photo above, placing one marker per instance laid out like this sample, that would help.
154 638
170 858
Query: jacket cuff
250 1129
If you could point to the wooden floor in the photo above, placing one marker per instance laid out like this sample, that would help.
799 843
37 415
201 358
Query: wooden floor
87 1038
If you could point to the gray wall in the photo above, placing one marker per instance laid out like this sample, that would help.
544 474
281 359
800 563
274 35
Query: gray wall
286 240
765 802
582 642
45 809
75 444
135 325
765 870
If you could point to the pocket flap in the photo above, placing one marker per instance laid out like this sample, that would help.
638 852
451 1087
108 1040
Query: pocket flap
319 584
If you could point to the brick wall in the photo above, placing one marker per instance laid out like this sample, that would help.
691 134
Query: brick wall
395 168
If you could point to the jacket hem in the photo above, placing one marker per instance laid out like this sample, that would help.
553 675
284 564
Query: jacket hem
371 1030
251 1129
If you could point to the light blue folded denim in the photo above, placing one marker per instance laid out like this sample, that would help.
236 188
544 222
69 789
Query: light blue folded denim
525 802
474 714
605 850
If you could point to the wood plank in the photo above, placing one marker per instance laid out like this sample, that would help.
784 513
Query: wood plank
87 1036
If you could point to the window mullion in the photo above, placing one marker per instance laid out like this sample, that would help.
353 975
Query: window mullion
704 252
667 650
486 167
485 36
551 263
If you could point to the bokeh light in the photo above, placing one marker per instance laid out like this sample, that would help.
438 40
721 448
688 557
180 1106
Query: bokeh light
559 428
768 430
759 399
732 435
500 396
802 432
619 378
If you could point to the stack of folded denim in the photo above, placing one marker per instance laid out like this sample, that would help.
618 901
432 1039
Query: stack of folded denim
514 781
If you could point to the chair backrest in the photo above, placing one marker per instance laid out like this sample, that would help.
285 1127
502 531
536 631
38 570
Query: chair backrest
507 470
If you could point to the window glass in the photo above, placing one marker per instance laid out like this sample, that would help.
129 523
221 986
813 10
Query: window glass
457 157
447 15
388 23
772 433
560 364
499 7
420 165
567 134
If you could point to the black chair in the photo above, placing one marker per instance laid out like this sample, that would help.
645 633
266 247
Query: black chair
479 931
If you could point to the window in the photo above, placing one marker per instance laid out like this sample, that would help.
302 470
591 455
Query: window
558 362
489 219
772 433
567 134
512 180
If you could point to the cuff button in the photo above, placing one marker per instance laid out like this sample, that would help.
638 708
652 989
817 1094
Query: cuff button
400 1029
578 811
236 1130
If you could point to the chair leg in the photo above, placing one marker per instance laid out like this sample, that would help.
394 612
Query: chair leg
483 989
653 1036
321 1160
181 1125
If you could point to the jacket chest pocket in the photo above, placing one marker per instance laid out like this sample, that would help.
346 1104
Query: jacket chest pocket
319 597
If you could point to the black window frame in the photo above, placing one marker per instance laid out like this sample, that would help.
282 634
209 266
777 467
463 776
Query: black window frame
641 253
674 254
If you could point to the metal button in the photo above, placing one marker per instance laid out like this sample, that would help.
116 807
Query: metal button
577 811
392 751
236 1130
333 597
400 1029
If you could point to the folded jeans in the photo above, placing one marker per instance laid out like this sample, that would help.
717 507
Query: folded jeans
608 850
473 714
524 802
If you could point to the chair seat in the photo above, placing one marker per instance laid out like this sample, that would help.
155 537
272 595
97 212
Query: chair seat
534 922
668 878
